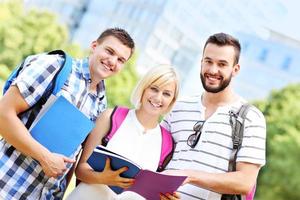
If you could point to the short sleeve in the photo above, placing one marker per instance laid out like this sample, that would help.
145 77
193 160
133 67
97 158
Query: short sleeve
253 148
36 75
166 122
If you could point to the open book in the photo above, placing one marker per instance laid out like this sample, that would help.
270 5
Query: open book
60 126
148 184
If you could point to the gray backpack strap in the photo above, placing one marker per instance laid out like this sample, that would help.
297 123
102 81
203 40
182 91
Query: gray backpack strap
237 120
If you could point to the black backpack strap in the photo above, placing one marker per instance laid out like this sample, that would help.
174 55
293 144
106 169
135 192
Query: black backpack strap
237 121
231 197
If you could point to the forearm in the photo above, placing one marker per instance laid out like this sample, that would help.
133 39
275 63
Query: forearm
107 176
239 182
83 170
88 175
224 183
16 134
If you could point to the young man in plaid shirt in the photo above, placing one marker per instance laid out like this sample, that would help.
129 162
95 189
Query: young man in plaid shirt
27 169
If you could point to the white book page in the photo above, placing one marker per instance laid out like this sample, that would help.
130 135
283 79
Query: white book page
106 151
44 109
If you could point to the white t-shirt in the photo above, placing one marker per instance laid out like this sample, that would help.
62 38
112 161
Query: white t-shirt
212 152
131 141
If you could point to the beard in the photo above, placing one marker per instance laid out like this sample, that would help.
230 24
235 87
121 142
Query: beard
224 83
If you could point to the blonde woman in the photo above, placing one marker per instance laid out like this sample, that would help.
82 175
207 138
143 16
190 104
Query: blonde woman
139 138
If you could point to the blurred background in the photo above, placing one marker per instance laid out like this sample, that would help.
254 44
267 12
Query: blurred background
173 32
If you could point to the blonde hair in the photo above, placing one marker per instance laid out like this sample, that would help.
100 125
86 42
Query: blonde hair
160 75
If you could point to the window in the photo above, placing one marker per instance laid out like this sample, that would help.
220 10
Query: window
245 46
286 63
263 55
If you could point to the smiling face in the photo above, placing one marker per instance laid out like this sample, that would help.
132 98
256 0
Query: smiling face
156 100
107 58
217 67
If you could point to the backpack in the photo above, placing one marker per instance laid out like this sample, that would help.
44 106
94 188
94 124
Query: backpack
116 119
53 88
237 120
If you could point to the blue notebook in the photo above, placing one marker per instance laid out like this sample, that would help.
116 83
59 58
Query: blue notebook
61 128
97 162
148 184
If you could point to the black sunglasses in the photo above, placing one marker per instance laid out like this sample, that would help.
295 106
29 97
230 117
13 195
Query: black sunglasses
194 138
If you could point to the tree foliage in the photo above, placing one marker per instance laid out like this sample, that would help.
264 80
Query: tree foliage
119 87
25 32
280 178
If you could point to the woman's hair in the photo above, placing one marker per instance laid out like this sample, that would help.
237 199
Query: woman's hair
160 75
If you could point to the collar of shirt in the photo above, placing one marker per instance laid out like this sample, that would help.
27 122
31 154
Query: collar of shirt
87 76
141 129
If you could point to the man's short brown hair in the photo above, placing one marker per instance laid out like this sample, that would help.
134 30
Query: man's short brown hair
120 34
223 39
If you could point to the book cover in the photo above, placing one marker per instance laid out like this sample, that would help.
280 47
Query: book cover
148 184
61 127
97 162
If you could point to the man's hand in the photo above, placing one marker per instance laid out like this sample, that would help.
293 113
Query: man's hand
54 164
113 178
168 196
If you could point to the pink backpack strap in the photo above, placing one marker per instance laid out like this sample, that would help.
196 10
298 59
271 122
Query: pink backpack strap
250 195
167 149
116 119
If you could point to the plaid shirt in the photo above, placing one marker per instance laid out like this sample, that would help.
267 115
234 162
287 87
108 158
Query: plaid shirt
21 177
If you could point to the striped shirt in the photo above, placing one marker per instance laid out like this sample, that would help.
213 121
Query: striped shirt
21 177
213 150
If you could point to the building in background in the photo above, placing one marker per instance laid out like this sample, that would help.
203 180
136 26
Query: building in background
173 32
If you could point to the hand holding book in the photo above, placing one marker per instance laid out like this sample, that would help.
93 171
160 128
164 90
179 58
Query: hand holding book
54 164
146 181
60 126
113 177
60 133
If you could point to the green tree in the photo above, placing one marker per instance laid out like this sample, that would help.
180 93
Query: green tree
280 178
119 87
25 32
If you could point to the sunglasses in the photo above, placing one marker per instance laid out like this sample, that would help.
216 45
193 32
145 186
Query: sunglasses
194 138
